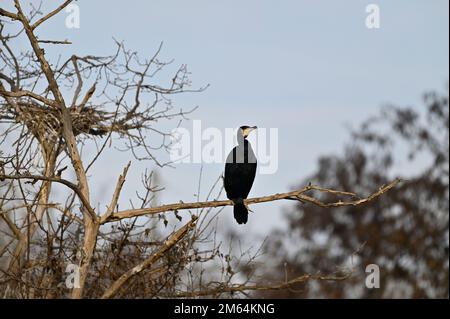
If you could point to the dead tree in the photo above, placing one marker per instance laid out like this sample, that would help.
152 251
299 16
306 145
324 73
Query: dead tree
49 111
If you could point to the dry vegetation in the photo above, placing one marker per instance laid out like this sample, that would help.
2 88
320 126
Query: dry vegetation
49 111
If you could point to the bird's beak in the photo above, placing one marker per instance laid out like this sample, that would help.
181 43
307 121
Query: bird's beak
248 130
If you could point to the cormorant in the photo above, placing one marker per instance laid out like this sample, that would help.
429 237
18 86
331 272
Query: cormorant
240 171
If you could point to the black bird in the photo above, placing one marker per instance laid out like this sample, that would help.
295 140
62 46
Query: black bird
240 171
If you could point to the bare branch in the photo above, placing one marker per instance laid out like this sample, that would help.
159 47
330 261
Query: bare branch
298 195
29 94
222 288
51 14
71 185
55 41
8 14
116 194
168 243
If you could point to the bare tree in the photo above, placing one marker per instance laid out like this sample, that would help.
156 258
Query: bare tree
50 112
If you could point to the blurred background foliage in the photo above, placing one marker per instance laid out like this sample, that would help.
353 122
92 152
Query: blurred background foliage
405 233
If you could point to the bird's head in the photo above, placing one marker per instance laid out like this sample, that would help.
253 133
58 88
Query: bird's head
245 130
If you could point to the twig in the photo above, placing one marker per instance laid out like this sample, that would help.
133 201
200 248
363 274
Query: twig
55 41
116 194
168 243
226 288
51 14
71 185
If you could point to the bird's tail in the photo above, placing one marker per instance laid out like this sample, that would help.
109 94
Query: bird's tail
240 211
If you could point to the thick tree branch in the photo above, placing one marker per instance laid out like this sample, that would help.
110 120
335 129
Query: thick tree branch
8 14
90 222
25 93
297 195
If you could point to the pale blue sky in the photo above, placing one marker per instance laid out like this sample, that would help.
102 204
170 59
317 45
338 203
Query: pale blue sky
307 68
